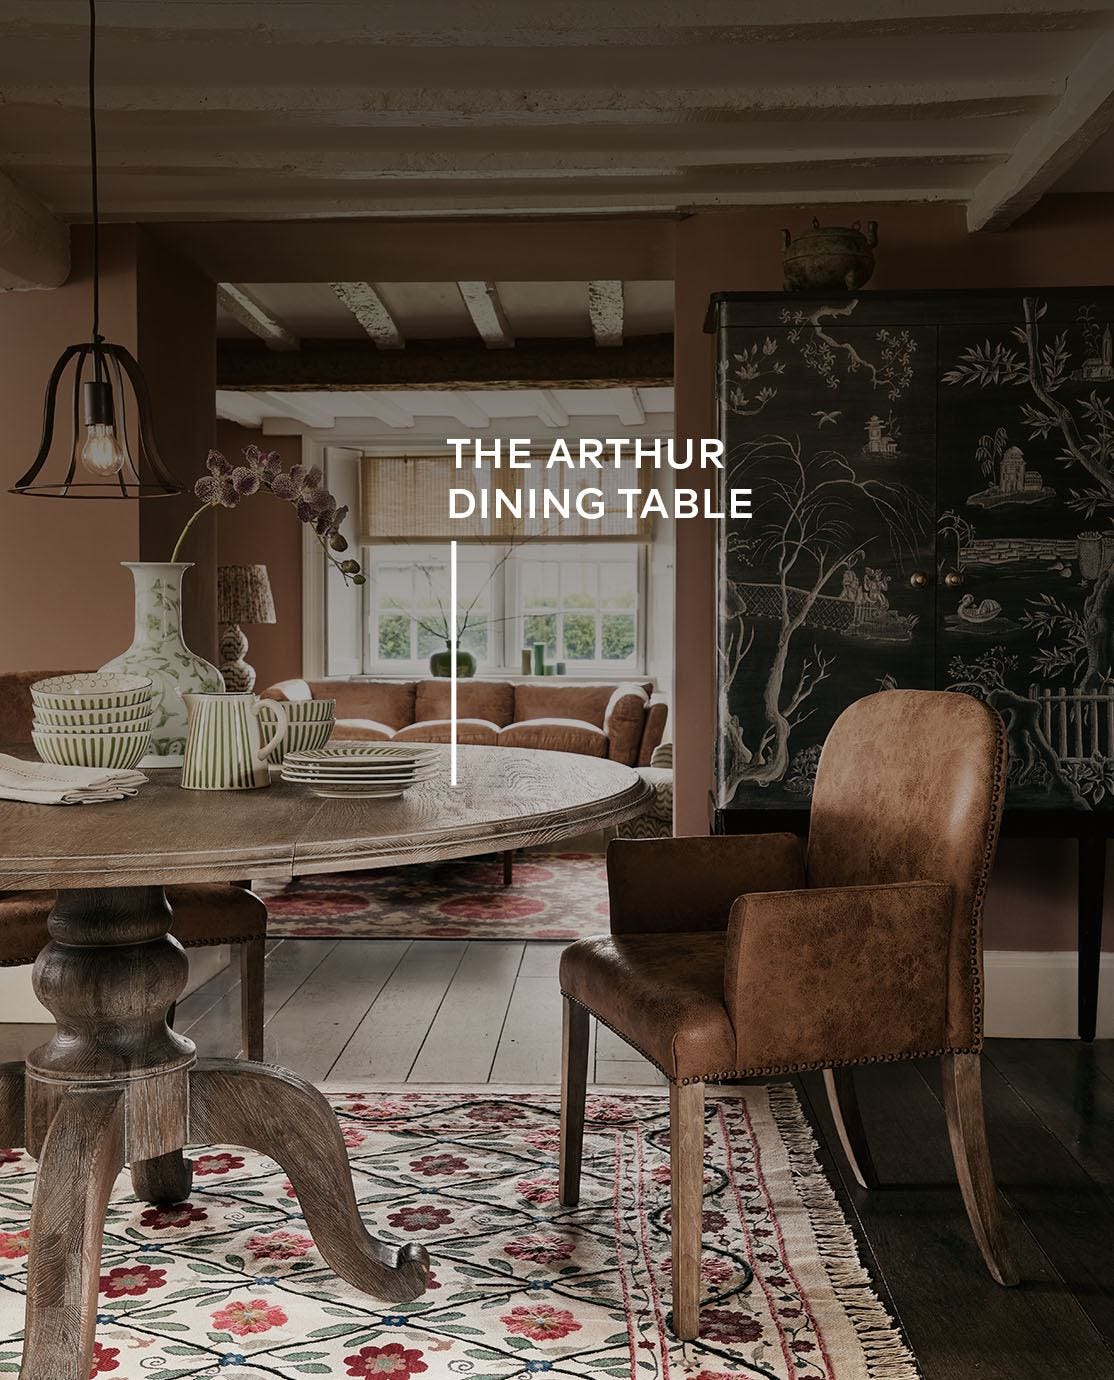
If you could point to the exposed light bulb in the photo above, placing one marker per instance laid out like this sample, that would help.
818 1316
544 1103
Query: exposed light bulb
102 453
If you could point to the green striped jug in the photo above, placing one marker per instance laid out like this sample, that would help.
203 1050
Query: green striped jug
225 750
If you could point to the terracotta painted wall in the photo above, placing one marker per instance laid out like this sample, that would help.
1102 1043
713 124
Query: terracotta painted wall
265 530
176 335
1066 241
64 600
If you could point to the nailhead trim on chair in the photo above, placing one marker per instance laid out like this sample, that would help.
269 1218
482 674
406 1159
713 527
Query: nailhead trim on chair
981 887
723 1075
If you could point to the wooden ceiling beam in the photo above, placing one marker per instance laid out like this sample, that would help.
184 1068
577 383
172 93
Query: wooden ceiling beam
605 311
628 406
34 245
642 361
440 23
372 313
406 107
486 310
245 308
1052 145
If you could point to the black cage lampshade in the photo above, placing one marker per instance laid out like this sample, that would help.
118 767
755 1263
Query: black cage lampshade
100 463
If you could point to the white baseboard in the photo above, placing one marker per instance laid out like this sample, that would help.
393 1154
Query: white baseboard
1033 995
20 1006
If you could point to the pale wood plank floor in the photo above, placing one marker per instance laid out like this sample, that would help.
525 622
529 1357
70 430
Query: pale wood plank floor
367 1011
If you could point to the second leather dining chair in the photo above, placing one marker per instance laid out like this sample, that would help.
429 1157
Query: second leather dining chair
752 956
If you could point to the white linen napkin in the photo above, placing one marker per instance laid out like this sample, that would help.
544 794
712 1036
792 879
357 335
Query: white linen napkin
41 783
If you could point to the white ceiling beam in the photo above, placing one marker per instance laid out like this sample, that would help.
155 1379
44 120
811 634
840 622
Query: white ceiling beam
247 309
386 409
34 246
440 23
488 317
242 408
372 313
405 107
628 406
482 165
301 408
547 408
466 410
605 311
1051 146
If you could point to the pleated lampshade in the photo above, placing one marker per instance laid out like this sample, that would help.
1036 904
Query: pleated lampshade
244 595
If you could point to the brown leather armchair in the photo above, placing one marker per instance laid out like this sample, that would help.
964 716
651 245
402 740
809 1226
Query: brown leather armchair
749 956
205 914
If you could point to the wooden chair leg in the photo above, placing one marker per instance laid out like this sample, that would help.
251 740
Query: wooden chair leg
508 868
963 1103
252 955
686 1161
839 1084
574 1091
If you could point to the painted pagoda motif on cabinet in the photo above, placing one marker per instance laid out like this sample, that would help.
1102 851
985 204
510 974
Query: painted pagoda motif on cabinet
933 505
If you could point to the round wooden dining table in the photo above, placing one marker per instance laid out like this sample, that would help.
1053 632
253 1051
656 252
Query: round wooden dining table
114 1085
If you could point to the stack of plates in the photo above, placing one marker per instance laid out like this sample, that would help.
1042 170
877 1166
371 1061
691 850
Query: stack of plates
95 719
368 770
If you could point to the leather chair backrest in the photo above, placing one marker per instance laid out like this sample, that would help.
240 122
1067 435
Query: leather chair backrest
909 788
15 704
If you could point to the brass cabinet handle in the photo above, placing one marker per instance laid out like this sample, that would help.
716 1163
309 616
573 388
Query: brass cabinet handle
953 579
919 579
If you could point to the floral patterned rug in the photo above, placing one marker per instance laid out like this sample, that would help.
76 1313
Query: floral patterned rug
553 896
230 1285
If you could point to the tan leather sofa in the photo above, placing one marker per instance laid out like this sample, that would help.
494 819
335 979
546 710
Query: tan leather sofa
598 720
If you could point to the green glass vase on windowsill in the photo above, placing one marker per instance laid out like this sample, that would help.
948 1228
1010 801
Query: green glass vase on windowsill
441 663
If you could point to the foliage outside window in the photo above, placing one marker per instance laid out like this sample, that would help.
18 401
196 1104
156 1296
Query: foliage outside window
582 600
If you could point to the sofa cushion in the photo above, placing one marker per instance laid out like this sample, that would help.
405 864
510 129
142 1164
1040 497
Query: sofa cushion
389 702
623 721
556 735
492 700
481 731
653 731
288 690
550 699
362 731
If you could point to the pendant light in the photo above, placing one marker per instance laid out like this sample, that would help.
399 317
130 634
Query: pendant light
100 463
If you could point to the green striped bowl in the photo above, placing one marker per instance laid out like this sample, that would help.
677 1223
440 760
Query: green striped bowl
310 726
123 714
79 730
91 690
116 750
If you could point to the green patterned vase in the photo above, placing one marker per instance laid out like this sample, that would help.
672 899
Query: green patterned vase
159 651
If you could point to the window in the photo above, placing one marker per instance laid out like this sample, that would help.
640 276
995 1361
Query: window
407 606
585 601
584 608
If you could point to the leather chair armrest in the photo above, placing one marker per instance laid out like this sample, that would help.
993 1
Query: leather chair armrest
838 975
664 886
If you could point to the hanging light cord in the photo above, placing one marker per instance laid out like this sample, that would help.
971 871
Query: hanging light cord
93 173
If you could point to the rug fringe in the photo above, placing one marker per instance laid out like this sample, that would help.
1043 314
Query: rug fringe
887 1356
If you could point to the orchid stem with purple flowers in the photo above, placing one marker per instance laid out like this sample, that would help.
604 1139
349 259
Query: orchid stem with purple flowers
226 484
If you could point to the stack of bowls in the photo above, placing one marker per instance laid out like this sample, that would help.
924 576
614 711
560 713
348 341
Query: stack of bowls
94 719
311 725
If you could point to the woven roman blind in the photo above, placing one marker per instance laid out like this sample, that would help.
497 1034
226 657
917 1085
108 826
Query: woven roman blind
406 498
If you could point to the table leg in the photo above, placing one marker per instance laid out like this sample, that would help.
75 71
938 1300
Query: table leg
165 1179
11 1105
1092 889
267 1109
114 1084
81 1157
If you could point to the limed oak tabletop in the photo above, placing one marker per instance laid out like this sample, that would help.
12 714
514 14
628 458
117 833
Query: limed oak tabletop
507 798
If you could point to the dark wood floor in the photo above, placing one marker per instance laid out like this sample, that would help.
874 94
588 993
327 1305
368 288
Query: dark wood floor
367 1012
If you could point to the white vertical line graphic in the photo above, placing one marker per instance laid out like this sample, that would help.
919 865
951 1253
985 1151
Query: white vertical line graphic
452 664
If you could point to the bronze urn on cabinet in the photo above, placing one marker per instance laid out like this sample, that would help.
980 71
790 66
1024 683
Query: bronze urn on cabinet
829 258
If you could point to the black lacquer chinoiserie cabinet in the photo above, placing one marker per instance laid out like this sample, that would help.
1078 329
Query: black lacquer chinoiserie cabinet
933 500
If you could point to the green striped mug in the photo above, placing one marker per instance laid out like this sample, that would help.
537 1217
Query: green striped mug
225 750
